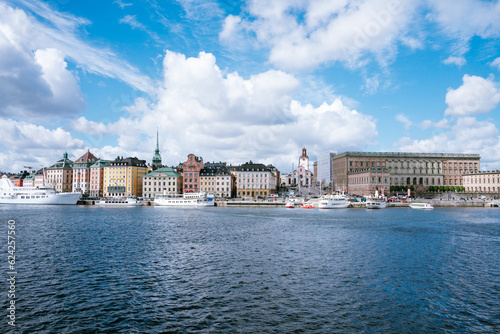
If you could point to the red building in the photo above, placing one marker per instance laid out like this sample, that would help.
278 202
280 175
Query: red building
191 173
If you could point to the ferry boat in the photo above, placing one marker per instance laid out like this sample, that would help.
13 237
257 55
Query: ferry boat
418 205
119 201
10 194
376 203
188 199
333 202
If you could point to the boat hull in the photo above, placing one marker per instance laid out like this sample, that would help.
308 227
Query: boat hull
183 202
376 205
421 206
55 199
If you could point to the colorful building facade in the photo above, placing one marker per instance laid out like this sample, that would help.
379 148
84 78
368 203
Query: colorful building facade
191 173
81 172
162 181
123 177
60 175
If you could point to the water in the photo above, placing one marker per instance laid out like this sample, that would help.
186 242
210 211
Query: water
239 270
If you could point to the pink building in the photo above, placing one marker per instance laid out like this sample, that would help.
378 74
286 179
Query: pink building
81 172
191 173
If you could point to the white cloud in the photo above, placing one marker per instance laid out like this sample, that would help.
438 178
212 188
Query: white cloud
131 20
39 145
230 28
459 61
226 117
466 135
496 63
403 119
466 18
476 95
305 34
35 84
442 124
54 30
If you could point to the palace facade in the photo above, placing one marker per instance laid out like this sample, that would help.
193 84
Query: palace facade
420 170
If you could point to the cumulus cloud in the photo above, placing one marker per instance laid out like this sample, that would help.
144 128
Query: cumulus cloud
476 95
304 34
36 25
224 116
42 76
466 18
466 135
39 145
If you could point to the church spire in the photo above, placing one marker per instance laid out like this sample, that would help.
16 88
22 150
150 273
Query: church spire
157 157
157 145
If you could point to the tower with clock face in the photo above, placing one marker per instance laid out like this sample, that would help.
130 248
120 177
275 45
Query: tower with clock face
304 159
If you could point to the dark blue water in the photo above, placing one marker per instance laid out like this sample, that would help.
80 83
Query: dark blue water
238 270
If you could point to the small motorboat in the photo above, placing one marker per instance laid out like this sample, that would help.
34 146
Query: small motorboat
307 206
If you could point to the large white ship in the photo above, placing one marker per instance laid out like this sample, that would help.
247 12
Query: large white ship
10 194
189 199
333 202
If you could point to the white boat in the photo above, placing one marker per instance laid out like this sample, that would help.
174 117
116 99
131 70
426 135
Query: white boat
10 194
119 201
376 203
333 202
418 205
188 199
290 205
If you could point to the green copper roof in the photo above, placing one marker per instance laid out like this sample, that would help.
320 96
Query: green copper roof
168 171
157 157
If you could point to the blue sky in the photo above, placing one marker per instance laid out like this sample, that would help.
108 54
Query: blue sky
247 80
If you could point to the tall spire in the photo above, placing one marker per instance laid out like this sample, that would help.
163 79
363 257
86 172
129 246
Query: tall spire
157 157
157 145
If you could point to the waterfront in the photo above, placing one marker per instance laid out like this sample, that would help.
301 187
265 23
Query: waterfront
265 270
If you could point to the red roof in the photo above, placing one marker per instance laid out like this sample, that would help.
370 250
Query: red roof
87 157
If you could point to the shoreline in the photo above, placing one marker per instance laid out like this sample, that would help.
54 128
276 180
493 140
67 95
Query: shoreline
435 203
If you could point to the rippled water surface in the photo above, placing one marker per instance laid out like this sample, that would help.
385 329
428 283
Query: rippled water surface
272 270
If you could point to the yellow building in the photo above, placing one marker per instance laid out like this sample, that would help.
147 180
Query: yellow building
123 177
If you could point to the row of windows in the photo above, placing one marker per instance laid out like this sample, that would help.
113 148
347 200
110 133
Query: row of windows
260 186
481 180
250 193
160 189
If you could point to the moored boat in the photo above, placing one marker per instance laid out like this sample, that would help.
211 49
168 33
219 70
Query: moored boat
200 199
10 194
120 201
307 206
333 202
290 205
376 203
419 205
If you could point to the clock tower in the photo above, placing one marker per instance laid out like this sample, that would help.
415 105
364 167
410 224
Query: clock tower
304 159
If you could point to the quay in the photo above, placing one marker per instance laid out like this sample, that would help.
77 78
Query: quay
437 203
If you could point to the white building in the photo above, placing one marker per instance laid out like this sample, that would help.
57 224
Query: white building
217 181
254 180
482 182
162 181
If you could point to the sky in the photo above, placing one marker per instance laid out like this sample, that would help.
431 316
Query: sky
257 80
